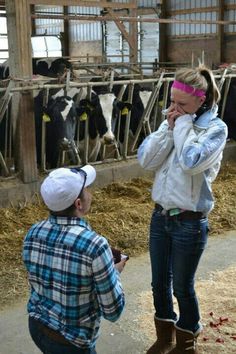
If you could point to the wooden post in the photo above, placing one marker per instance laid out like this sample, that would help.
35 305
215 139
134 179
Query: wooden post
163 30
20 65
221 32
66 39
133 30
33 26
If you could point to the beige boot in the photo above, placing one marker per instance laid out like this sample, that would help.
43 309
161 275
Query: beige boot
186 342
165 331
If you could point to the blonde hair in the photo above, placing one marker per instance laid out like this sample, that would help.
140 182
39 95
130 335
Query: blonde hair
200 78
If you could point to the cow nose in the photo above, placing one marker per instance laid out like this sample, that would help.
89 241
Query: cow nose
65 143
108 139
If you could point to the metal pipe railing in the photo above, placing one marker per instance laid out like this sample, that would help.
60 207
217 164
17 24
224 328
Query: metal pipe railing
30 85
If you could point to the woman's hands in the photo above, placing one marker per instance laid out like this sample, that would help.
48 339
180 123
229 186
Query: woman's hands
174 112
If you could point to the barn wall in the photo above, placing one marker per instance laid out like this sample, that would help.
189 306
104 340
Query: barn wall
92 48
180 50
217 41
230 49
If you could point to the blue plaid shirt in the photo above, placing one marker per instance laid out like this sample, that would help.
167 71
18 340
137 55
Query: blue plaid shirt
72 277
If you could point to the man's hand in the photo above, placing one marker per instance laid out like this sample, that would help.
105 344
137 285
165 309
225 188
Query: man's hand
120 266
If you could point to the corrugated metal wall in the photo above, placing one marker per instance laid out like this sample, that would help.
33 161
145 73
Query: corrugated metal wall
141 3
79 31
51 26
115 45
3 38
179 29
83 30
117 50
230 15
149 40
148 3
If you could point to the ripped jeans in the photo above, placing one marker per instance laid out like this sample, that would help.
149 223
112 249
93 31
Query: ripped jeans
176 247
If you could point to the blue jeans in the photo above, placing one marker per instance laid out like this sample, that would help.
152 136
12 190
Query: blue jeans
176 247
49 346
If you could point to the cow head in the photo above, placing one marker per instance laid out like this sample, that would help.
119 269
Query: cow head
61 126
100 111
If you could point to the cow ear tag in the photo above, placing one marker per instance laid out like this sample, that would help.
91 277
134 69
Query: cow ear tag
83 117
124 111
46 118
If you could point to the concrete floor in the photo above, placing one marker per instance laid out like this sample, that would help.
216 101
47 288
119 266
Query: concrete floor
115 337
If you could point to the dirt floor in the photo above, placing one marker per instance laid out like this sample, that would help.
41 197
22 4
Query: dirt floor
121 212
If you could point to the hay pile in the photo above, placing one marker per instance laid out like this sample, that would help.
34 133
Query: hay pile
120 211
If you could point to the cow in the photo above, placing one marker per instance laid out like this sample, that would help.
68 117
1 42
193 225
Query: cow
101 110
4 70
60 115
140 98
86 110
97 110
51 67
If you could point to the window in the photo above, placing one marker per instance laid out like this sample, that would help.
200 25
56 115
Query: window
46 46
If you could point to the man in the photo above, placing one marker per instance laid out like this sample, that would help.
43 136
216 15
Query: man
73 279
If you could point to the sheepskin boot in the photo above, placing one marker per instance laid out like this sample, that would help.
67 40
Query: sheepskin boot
165 331
186 342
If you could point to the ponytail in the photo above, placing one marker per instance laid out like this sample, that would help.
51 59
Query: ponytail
212 93
201 78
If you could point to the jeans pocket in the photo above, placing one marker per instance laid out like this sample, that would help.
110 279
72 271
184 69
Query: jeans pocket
195 233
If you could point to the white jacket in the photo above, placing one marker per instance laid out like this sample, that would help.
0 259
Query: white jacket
185 160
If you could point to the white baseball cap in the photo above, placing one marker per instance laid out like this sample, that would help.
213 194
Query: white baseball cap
64 185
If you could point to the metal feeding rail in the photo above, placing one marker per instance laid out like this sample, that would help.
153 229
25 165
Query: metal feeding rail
150 120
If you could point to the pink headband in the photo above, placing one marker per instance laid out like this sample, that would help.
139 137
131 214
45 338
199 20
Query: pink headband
188 89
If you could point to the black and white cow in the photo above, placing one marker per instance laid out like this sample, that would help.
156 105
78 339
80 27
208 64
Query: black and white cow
51 67
4 70
101 110
60 116
141 96
97 113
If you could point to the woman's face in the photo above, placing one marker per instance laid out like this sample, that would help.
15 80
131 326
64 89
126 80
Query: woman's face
184 102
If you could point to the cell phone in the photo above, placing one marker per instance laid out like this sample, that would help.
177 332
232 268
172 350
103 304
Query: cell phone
124 256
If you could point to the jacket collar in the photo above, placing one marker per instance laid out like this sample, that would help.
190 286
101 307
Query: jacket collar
204 119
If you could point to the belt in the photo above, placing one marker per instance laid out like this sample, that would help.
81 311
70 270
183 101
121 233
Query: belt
184 215
54 335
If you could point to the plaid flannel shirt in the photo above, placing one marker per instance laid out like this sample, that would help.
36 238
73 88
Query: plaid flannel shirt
72 278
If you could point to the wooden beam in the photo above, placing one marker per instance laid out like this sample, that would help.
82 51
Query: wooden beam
66 39
26 140
221 31
87 3
162 37
131 19
133 30
20 65
33 27
121 27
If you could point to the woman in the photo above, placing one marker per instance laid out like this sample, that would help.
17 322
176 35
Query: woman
185 153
